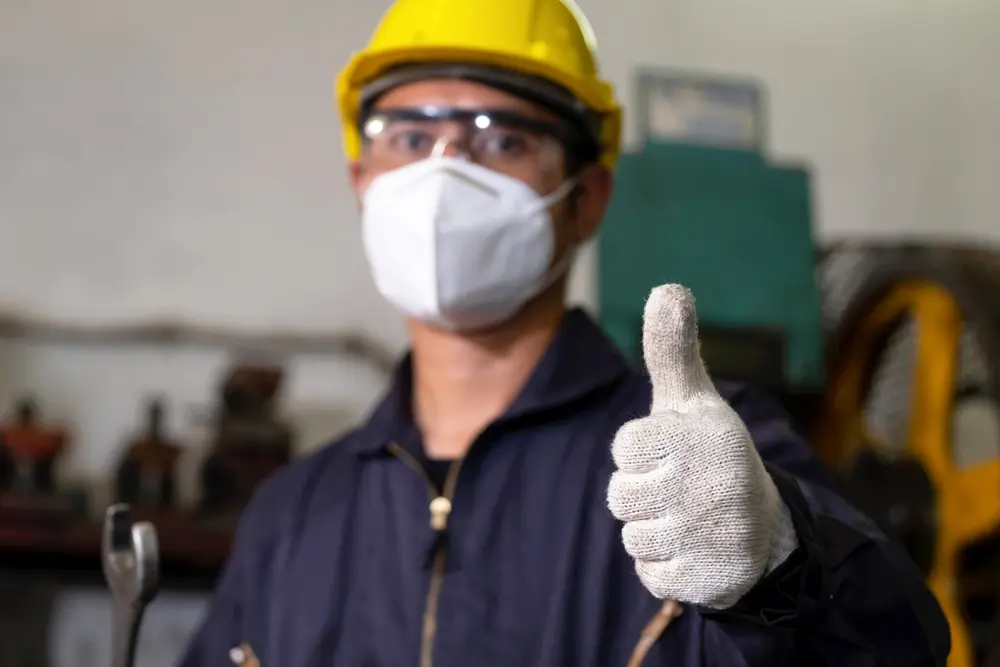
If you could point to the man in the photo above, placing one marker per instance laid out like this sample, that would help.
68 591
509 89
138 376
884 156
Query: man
467 522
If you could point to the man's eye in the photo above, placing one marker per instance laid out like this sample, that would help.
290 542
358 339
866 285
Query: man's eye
506 143
413 141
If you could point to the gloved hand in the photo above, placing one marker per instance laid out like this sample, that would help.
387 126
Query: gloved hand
703 518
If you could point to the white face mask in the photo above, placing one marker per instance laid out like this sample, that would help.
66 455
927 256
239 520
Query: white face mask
459 245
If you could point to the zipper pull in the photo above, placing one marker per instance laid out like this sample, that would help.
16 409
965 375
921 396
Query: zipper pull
440 511
243 656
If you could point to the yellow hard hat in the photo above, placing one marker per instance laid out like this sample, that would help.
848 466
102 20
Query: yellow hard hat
548 39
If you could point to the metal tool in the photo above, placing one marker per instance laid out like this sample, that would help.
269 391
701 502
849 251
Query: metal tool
131 558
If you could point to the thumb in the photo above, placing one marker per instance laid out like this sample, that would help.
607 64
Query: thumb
671 350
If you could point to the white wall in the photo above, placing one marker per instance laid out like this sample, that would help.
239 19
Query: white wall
893 103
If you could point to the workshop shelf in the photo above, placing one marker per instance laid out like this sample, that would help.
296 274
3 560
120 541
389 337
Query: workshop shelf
191 554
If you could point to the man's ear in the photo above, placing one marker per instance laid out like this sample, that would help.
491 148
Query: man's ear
357 173
593 194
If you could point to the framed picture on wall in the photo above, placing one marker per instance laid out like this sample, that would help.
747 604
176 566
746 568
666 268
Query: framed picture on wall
700 109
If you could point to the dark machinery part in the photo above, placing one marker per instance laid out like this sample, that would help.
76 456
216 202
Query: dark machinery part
146 474
29 451
250 440
918 336
899 496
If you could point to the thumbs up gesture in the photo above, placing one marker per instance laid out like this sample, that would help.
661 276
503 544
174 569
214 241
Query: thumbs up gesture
702 517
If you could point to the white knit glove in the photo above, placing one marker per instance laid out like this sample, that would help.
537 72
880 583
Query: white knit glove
703 518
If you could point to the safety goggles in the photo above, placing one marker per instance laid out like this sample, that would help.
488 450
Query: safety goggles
502 140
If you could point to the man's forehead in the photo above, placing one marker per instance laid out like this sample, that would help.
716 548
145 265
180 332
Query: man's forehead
457 94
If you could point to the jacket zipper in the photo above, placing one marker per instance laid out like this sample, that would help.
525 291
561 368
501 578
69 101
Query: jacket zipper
440 512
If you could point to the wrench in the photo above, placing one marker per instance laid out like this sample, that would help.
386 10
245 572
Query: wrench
131 562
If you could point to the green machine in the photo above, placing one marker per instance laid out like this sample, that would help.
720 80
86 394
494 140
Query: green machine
701 205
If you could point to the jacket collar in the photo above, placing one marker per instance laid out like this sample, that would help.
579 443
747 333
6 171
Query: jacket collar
579 361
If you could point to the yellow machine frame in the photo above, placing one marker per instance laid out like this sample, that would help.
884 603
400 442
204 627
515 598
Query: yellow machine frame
966 514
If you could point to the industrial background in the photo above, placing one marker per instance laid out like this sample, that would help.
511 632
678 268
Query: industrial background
175 217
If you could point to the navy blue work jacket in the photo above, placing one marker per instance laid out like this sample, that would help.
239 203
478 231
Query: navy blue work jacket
351 558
